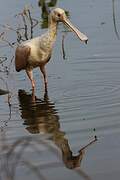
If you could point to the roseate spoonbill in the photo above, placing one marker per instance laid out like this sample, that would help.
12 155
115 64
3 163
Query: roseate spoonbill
37 52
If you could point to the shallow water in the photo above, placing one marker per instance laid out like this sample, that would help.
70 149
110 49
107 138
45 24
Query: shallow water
42 134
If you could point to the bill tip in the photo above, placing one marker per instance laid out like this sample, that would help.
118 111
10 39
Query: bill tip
86 41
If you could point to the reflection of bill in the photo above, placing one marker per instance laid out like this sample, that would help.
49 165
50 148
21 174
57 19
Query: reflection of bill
40 116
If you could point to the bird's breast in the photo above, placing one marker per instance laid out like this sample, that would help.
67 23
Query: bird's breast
41 50
39 56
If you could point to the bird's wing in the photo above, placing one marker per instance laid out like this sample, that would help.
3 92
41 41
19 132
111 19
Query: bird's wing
21 57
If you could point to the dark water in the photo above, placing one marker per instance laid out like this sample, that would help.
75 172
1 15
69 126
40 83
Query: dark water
42 135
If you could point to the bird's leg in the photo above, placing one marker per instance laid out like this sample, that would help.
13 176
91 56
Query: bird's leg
42 68
30 76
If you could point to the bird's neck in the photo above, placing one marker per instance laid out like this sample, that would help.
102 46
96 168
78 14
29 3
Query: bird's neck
53 28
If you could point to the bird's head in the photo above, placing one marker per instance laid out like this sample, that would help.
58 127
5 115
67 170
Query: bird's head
58 15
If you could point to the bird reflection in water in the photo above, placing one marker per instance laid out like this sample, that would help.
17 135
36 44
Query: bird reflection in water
40 116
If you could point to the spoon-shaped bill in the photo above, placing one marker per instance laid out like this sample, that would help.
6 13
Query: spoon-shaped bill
80 35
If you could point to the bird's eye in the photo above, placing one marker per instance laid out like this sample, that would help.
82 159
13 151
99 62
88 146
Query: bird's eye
59 15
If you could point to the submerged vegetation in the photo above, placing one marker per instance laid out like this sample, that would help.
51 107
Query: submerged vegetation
23 31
